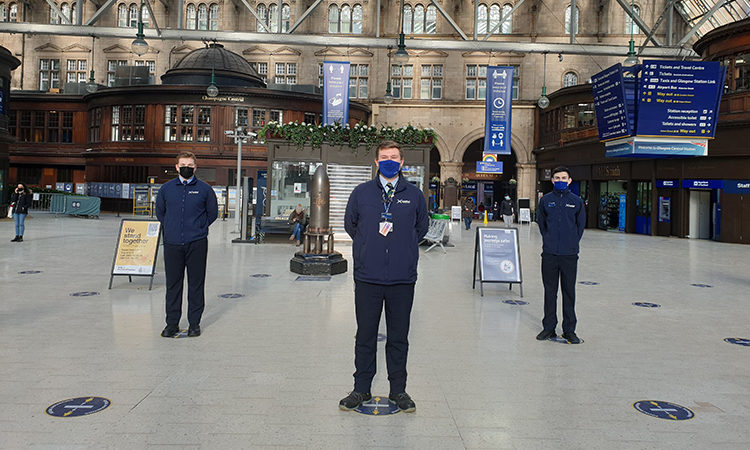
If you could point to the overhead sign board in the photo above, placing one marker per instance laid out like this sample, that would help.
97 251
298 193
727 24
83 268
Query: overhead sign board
498 108
489 167
679 98
654 147
610 104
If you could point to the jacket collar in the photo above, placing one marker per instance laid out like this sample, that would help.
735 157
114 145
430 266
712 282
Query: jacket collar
190 183
400 184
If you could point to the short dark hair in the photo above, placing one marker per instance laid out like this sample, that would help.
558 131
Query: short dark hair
389 144
185 154
559 169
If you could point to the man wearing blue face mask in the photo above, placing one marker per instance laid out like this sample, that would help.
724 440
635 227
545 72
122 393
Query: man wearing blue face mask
386 218
185 206
561 218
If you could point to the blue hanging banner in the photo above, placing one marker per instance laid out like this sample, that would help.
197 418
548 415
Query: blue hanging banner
497 120
610 104
335 93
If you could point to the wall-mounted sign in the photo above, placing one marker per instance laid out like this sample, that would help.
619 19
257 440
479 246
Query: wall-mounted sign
489 167
737 186
498 109
667 183
703 184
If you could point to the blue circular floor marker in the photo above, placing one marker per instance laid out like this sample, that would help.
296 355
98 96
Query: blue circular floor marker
378 406
663 410
738 341
260 275
382 337
701 285
515 302
646 305
84 294
231 295
588 283
562 340
81 406
29 272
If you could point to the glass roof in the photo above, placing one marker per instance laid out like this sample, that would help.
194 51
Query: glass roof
694 10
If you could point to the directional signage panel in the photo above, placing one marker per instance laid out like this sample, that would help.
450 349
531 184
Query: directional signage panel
679 98
497 126
610 105
489 167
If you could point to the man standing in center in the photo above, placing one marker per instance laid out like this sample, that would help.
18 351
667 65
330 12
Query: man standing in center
386 219
185 206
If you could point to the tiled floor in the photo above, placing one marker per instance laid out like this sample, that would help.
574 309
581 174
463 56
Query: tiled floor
270 367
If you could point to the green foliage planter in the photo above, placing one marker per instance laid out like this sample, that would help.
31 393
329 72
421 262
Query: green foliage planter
368 136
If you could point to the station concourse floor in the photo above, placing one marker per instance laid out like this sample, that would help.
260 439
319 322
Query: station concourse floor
270 367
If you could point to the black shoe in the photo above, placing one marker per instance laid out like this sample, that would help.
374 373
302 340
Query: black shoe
170 330
194 331
20 239
403 401
572 338
15 239
353 400
546 334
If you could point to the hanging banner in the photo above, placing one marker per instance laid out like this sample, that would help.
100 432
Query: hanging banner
497 120
610 104
335 93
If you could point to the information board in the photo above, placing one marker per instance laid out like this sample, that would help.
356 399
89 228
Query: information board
498 110
610 104
679 98
496 257
456 213
136 250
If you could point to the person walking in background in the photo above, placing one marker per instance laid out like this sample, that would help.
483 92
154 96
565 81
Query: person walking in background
467 211
386 218
562 219
297 219
508 210
495 212
20 201
185 206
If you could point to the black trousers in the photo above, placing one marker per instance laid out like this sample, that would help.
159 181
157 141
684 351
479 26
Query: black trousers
562 270
176 259
368 301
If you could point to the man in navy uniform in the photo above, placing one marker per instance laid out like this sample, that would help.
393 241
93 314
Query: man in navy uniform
386 219
185 206
561 217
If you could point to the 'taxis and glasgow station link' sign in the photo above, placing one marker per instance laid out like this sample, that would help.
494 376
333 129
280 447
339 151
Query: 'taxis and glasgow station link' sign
674 113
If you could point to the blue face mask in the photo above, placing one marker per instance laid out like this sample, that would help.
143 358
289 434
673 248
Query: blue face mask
561 185
389 168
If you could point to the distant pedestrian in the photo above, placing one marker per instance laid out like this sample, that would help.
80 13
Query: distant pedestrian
297 220
185 206
20 201
467 211
561 218
508 210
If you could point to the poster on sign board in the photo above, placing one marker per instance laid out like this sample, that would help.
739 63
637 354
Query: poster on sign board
496 257
136 249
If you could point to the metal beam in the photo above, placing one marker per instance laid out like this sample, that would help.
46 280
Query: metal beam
166 5
99 12
279 7
638 21
450 21
307 13
323 41
252 11
79 12
573 21
59 13
670 17
667 9
152 17
700 23
502 19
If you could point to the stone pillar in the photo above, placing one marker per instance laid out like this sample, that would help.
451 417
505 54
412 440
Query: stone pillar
526 188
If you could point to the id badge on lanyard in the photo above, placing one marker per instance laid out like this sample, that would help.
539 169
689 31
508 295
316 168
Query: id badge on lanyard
386 218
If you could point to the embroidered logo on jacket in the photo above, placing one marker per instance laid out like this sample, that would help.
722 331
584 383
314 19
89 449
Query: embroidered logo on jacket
401 200
194 192
569 205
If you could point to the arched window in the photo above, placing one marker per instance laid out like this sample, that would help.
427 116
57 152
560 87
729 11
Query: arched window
407 19
346 19
4 13
144 16
133 16
357 19
285 17
202 17
570 79
430 20
482 19
273 18
263 14
54 19
13 13
630 25
333 19
122 16
420 20
65 10
494 19
507 26
568 20
190 17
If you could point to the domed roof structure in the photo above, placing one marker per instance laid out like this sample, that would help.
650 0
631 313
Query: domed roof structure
229 68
